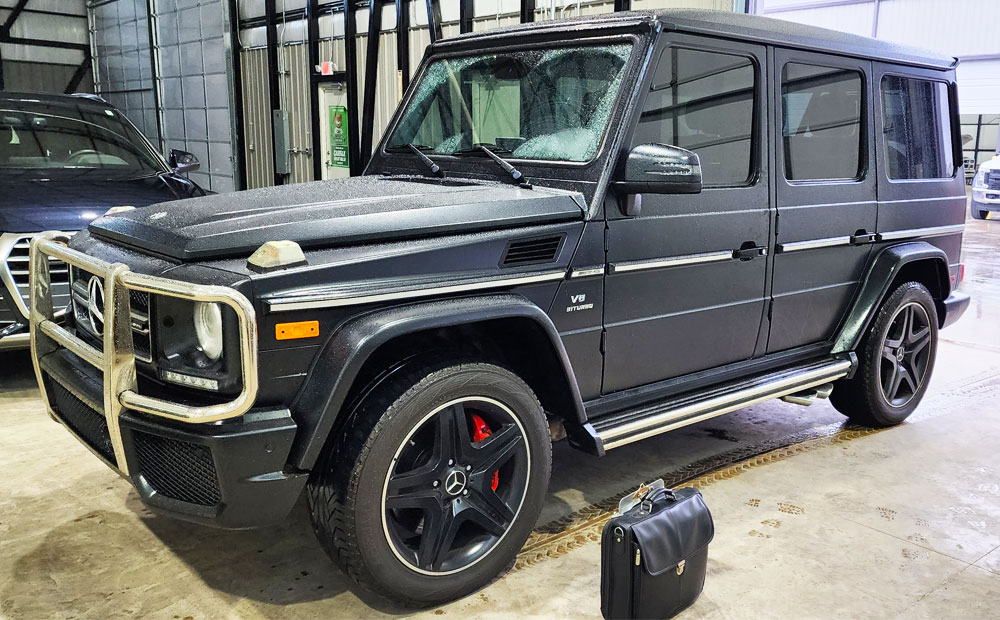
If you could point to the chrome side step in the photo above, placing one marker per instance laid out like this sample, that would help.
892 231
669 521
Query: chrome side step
807 397
623 428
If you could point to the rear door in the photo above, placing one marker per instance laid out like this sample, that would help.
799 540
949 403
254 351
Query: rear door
677 297
825 193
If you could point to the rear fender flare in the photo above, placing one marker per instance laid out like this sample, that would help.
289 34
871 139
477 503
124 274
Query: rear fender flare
322 399
875 286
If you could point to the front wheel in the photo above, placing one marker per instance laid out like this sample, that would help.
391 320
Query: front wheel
976 213
895 360
438 483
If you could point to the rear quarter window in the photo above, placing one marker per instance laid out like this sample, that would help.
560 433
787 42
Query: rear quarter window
917 128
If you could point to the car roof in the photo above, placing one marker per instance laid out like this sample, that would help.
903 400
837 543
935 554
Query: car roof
737 26
57 99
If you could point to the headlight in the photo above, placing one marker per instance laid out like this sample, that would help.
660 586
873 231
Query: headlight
979 181
208 328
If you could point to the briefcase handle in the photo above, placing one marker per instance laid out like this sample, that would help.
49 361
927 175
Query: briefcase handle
659 493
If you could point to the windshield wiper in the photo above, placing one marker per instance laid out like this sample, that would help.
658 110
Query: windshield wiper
418 150
514 173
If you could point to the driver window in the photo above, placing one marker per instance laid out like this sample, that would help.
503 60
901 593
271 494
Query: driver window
704 102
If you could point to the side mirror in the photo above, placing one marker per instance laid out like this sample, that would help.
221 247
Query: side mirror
183 162
658 169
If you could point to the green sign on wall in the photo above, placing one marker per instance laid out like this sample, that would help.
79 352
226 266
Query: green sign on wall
339 151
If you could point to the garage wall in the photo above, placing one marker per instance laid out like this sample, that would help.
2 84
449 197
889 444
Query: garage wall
39 68
966 29
167 65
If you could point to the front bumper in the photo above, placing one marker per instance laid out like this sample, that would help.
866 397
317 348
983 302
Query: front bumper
954 307
229 474
220 464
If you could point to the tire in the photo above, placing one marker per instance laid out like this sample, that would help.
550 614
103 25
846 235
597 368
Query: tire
388 488
976 213
895 360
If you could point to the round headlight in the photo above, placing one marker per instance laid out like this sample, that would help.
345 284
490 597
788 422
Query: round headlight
208 327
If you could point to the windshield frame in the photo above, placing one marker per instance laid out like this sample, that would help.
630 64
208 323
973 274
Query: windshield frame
29 105
624 93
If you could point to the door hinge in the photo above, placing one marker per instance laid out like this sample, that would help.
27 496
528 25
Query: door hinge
604 341
770 309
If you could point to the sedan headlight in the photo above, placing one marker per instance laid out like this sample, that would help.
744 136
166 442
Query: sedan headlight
208 329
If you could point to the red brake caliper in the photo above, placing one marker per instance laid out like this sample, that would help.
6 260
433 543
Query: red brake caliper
481 431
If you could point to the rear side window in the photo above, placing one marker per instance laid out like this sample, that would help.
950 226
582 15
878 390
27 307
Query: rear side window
917 135
821 111
704 102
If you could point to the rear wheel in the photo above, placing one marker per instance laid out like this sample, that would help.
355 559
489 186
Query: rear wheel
895 360
437 485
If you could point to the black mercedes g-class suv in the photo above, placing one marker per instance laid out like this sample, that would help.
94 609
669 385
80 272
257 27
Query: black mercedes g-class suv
64 161
611 227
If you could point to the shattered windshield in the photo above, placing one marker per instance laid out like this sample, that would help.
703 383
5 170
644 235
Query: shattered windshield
533 104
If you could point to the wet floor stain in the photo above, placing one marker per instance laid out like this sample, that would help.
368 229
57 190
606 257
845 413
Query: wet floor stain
790 509
721 433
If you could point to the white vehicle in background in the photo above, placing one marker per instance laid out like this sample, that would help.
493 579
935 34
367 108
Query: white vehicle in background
986 189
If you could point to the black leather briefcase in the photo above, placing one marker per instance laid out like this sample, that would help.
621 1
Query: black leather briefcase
654 554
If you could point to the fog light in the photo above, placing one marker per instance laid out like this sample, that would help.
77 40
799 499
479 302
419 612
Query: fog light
198 382
208 327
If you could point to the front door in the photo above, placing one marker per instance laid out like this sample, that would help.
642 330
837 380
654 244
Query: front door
679 298
826 193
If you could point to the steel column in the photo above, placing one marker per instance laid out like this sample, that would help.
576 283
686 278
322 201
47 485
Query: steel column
74 82
351 57
527 11
403 42
371 78
272 77
434 19
465 15
234 36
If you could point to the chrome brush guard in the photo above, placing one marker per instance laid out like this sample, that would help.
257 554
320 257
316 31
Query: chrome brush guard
117 361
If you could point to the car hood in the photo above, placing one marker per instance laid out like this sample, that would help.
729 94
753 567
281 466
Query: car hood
333 213
32 204
990 165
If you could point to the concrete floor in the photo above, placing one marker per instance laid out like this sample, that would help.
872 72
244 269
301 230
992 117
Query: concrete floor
813 519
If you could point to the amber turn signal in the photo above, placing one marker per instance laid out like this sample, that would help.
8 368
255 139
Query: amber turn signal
294 331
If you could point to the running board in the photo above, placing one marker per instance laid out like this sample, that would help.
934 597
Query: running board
619 429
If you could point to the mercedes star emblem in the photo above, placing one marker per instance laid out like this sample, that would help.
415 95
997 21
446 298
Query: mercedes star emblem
455 482
95 304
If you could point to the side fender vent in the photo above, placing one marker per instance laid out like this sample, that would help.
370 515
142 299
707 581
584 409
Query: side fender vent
532 251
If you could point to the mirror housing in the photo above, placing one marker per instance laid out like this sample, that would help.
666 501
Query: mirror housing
659 169
182 162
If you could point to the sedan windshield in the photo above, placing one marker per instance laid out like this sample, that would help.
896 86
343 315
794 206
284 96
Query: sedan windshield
52 137
534 104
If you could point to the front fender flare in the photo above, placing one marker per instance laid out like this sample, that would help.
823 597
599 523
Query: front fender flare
875 286
322 398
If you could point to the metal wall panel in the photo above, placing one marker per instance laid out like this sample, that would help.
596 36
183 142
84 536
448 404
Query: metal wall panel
38 77
123 62
294 89
257 136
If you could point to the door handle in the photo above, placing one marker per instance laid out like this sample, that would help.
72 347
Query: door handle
863 238
749 252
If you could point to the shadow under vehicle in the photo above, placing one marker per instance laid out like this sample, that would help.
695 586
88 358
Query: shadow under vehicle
613 226
64 161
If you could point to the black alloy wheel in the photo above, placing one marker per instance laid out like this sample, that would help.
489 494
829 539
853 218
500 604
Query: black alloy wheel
456 484
905 354
434 481
895 360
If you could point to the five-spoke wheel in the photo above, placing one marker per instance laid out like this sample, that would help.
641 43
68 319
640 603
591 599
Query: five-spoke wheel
895 360
455 485
435 482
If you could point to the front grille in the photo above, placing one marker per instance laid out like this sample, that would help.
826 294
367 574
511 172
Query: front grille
88 423
7 316
178 469
85 328
16 264
993 179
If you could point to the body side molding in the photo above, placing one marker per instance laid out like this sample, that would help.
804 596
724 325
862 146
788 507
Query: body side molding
875 286
322 398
